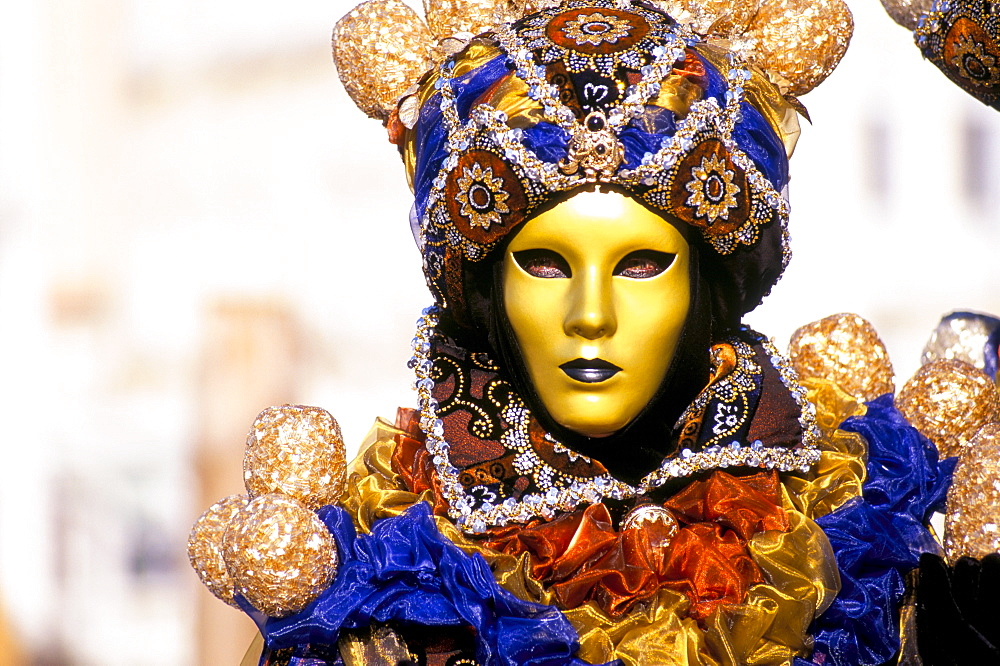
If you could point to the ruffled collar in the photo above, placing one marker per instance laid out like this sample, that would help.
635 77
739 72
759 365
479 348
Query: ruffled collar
497 465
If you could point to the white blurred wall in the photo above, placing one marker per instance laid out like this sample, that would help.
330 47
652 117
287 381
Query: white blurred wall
165 162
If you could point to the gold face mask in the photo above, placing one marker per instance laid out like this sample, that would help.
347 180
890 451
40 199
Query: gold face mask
597 291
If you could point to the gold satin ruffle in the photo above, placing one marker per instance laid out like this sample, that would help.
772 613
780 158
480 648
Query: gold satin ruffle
657 634
840 472
374 491
769 628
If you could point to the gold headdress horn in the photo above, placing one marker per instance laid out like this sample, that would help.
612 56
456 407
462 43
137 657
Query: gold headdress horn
381 48
800 41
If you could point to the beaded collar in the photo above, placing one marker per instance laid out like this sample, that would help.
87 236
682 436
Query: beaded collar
497 465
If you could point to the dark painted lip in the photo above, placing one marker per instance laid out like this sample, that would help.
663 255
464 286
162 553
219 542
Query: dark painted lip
590 371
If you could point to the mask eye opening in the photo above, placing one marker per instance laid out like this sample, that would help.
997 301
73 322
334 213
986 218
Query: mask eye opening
545 264
644 264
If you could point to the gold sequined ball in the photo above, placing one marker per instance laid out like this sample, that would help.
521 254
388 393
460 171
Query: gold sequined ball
949 401
964 337
801 40
279 554
972 522
845 349
907 13
380 49
297 451
205 546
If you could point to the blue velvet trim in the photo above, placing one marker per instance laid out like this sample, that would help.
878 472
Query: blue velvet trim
432 134
406 572
879 537
715 82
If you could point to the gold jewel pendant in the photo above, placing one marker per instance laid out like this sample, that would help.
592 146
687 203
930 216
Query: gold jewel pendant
595 149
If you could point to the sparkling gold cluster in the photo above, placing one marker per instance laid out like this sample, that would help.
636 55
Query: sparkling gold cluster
381 48
720 17
279 554
972 523
271 547
961 338
907 12
205 546
297 451
801 40
450 17
949 401
844 349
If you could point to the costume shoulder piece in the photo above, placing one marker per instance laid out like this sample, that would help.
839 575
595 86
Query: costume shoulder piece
497 464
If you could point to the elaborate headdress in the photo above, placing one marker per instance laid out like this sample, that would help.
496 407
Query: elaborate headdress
679 115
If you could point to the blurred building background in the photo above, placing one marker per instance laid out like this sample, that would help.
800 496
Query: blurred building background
195 223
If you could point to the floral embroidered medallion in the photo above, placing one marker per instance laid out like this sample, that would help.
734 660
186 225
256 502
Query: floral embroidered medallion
594 32
484 196
595 36
713 192
481 196
961 38
974 56
708 190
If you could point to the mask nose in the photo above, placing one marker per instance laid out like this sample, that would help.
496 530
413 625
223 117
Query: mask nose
591 311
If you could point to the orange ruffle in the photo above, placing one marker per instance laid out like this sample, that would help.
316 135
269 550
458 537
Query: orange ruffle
746 504
411 460
580 557
712 566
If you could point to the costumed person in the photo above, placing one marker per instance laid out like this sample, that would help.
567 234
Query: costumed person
604 465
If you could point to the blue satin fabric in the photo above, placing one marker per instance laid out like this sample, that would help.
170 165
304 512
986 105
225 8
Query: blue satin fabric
549 142
879 537
470 86
432 135
406 572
